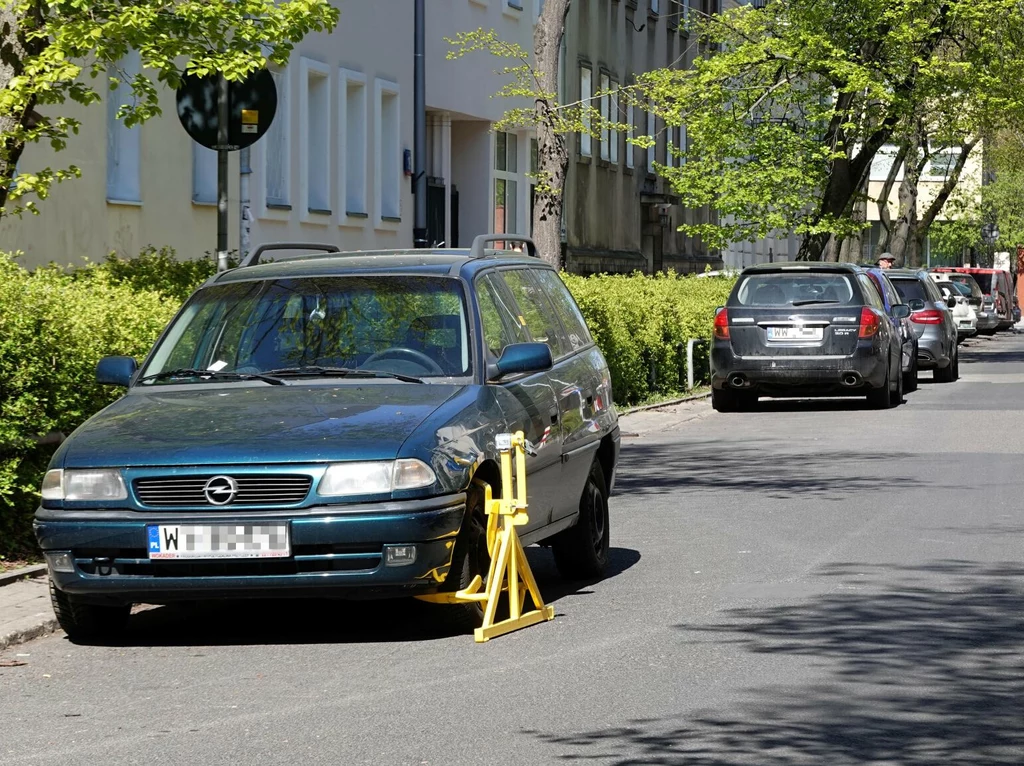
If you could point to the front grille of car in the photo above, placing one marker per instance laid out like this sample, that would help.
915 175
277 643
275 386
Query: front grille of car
182 491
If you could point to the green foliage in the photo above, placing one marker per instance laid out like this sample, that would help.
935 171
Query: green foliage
785 118
157 271
53 330
642 324
72 49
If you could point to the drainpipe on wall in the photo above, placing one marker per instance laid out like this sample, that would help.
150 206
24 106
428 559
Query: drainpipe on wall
245 216
419 226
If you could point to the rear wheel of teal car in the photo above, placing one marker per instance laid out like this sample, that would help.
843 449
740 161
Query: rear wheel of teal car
469 559
581 552
88 623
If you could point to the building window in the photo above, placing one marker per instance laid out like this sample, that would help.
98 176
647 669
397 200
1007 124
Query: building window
124 145
655 7
586 93
651 133
277 146
630 149
534 172
606 86
515 4
204 175
684 17
613 116
540 7
316 154
388 152
352 119
683 144
670 134
506 182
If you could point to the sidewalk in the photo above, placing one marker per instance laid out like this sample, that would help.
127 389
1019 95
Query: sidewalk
25 611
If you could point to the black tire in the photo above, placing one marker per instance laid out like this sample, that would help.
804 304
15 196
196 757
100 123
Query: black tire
581 552
881 398
727 400
956 366
469 559
896 397
945 374
88 623
910 378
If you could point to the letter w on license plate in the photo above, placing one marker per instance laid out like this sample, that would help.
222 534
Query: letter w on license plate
218 541
794 333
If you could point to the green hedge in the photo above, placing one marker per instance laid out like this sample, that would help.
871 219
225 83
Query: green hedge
55 324
642 325
53 329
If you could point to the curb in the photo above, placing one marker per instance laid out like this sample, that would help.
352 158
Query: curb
22 635
669 403
19 574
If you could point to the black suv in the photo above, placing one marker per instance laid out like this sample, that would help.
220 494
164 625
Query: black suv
805 329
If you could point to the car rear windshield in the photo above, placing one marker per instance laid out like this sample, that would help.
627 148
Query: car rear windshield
984 282
789 289
911 289
967 281
414 325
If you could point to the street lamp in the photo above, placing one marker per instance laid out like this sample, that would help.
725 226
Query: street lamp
989 235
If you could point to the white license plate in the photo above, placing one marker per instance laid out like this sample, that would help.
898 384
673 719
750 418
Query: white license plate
794 333
218 541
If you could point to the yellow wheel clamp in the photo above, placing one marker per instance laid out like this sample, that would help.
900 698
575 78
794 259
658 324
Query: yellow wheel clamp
509 571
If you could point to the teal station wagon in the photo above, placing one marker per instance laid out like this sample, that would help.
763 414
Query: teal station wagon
322 426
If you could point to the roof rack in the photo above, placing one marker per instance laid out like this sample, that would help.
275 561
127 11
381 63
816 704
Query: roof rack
479 243
254 257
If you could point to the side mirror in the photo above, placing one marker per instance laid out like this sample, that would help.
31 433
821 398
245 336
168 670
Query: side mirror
916 304
116 370
521 358
951 302
901 311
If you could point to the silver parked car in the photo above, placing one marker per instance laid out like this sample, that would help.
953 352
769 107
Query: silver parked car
932 317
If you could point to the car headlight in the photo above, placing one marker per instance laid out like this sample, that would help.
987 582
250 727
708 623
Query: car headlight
374 478
84 484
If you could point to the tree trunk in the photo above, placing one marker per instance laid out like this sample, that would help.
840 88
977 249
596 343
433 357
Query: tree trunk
13 51
920 234
901 240
553 161
884 215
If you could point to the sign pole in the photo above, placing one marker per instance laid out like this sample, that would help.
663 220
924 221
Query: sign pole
223 113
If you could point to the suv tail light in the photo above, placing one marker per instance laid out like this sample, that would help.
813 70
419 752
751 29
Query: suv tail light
722 324
869 323
928 316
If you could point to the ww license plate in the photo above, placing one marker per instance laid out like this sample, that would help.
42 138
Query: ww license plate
794 333
218 541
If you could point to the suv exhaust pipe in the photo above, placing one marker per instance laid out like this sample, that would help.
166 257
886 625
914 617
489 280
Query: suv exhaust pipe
738 381
850 379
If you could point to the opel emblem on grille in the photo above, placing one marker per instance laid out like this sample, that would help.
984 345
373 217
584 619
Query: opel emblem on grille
220 490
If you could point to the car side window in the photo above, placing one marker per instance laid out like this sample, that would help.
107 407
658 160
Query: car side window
933 292
565 307
500 323
536 313
871 295
894 297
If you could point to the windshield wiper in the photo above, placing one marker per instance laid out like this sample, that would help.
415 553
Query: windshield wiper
187 372
341 372
811 301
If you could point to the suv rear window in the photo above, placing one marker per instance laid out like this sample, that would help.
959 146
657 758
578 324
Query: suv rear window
793 289
984 282
969 282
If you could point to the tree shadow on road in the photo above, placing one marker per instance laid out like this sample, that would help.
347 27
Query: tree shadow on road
922 666
760 468
331 621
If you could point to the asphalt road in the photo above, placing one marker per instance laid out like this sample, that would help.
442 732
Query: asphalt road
814 583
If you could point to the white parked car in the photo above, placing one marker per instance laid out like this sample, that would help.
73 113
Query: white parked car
964 315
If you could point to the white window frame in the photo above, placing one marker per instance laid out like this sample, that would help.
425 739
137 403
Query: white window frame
278 208
586 94
204 175
605 86
315 170
630 149
385 217
652 132
124 145
613 116
352 151
518 177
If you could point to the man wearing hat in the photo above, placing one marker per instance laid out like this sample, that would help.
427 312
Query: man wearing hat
885 261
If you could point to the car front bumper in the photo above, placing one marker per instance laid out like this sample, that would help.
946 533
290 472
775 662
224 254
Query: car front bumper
335 552
807 375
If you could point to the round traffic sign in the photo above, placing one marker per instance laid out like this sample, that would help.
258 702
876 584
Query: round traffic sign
989 233
252 104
